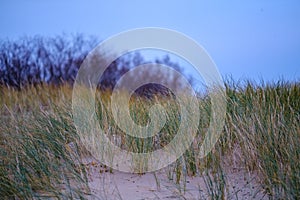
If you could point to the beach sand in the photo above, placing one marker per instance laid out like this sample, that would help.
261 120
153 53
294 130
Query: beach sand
120 185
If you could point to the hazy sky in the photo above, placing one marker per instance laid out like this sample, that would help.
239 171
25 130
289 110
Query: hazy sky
247 39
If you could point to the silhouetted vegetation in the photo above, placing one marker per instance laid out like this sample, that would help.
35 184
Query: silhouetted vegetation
56 60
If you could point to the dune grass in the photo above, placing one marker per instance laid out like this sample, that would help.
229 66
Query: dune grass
261 135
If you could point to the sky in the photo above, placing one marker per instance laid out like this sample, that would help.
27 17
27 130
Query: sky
258 39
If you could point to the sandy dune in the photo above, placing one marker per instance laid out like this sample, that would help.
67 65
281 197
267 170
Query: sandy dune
119 185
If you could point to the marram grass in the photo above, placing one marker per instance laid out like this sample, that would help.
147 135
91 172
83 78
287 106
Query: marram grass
262 126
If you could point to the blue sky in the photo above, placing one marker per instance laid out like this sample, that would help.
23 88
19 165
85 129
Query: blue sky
246 39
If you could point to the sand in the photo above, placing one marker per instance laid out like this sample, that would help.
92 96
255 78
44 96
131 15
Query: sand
120 185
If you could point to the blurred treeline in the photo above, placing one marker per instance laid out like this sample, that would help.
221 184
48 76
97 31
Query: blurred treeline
56 60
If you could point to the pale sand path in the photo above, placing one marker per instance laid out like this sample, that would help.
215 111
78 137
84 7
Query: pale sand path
119 185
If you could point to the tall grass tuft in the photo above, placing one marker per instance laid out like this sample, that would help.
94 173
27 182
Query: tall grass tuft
264 120
36 161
